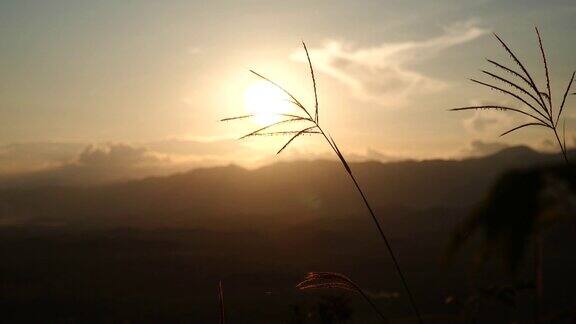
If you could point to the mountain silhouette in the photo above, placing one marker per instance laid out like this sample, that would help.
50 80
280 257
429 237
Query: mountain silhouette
155 249
282 193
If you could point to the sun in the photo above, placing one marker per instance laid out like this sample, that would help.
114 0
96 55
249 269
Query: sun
266 102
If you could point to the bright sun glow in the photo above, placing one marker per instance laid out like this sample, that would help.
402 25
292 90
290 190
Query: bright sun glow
266 101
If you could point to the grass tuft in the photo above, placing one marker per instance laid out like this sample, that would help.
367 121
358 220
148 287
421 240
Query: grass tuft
537 101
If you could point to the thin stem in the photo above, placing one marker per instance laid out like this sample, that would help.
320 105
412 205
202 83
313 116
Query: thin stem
543 52
384 319
562 148
380 230
389 247
221 302
313 82
334 147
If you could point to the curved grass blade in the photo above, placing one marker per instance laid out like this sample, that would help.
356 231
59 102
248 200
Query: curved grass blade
254 115
313 81
337 150
298 103
329 280
327 286
272 125
514 85
286 133
546 69
509 70
522 126
314 280
517 61
564 134
238 117
493 87
488 107
294 116
564 97
295 136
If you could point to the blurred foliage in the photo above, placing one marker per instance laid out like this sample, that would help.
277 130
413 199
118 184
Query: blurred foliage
521 204
502 294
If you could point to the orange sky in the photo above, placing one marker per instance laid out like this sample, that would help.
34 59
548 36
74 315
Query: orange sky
157 77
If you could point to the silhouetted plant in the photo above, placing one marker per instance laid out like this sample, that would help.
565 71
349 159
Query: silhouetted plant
313 128
536 103
333 280
505 294
517 209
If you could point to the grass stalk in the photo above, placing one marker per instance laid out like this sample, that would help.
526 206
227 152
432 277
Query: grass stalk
562 147
378 226
312 128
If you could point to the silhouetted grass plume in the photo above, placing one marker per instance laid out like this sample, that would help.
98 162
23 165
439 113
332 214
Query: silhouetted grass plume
331 280
537 104
312 127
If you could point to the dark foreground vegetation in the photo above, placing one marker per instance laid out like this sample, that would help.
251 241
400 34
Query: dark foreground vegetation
155 249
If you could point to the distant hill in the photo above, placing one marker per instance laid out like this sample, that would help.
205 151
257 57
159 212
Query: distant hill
153 250
279 194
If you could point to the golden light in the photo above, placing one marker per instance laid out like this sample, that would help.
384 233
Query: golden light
265 102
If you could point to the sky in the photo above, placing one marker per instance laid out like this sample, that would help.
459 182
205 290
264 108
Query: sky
145 83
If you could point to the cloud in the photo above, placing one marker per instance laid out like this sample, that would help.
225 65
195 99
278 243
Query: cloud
26 157
373 155
482 122
547 145
88 164
384 73
490 122
118 156
96 164
186 147
305 154
478 148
